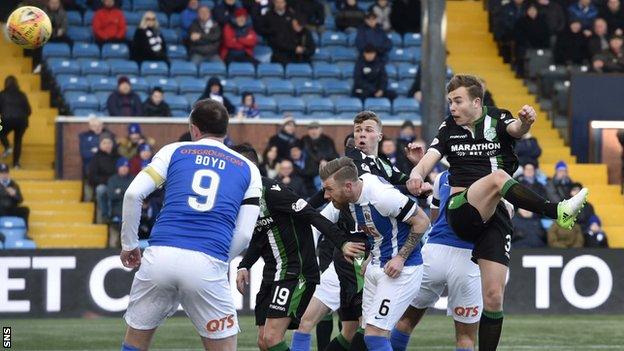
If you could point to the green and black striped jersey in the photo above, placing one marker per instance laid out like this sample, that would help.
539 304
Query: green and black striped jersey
473 154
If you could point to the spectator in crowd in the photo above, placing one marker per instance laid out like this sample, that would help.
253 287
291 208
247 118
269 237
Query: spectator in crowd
382 9
554 15
204 37
350 17
11 196
276 20
214 91
116 187
171 6
389 149
155 106
285 138
295 45
528 150
89 141
595 237
101 168
587 211
558 187
15 110
529 178
149 212
270 164
109 23
504 25
405 16
612 60
287 176
129 147
312 11
407 134
141 159
561 238
148 43
598 41
224 11
614 16
528 231
370 78
239 39
187 17
58 17
584 11
531 32
248 108
317 145
372 34
305 167
571 45
124 101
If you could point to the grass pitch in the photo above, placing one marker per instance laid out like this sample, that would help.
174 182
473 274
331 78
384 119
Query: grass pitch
570 332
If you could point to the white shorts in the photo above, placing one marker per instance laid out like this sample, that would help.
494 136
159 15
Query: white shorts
328 290
385 299
171 276
451 266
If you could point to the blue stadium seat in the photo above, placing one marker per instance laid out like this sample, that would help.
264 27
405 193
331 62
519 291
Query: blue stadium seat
320 105
266 104
241 69
316 38
391 70
407 70
179 113
278 86
79 34
85 50
177 102
330 38
263 53
412 39
416 53
20 244
182 68
291 104
139 84
93 66
401 87
351 38
414 117
123 67
250 84
266 70
130 32
336 87
125 5
345 115
55 50
67 82
74 18
307 86
330 23
346 69
410 55
174 20
163 20
102 83
176 52
1 245
87 18
78 100
396 39
234 99
348 104
142 95
210 69
405 104
154 68
102 98
115 50
209 3
171 36
168 85
132 18
321 55
341 54
13 228
192 97
229 86
326 70
379 105
89 113
145 5
191 85
59 66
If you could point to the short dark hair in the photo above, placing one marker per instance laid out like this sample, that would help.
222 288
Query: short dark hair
210 117
248 151
157 89
473 85
341 168
365 116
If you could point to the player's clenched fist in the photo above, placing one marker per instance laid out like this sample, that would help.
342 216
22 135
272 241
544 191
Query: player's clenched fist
527 115
394 267
131 259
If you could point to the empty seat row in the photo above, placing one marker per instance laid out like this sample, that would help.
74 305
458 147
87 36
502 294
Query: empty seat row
108 51
85 34
13 230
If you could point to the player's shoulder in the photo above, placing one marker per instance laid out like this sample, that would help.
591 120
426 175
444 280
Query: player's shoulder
377 185
500 114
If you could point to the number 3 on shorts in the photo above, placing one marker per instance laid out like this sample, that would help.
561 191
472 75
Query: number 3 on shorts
280 296
507 243
210 192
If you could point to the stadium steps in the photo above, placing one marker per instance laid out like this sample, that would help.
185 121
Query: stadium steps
473 50
57 217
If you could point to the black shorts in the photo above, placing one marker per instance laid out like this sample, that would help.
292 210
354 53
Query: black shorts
492 239
284 298
351 287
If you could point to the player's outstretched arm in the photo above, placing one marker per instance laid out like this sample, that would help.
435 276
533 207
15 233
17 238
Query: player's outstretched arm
522 125
422 169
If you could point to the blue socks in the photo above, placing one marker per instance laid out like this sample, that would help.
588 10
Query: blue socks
126 347
301 342
399 340
377 343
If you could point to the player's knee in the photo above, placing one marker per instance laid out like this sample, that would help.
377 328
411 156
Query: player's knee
271 338
261 344
500 177
493 299
465 341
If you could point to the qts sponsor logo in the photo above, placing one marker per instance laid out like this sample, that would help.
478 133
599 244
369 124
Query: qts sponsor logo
466 311
222 324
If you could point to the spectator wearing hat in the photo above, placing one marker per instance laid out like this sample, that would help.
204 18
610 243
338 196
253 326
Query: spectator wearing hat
370 78
204 38
187 16
239 39
101 168
148 42
141 159
124 101
285 138
318 145
11 196
155 106
294 45
350 16
109 23
559 186
116 186
611 60
528 231
372 34
214 91
528 150
129 146
595 237
248 108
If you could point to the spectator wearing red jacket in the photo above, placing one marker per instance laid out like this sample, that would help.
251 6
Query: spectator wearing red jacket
109 23
239 39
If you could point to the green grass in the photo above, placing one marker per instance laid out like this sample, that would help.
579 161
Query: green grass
570 332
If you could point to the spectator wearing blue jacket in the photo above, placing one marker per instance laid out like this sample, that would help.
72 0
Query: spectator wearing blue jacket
223 12
584 11
187 16
370 78
371 33
89 142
